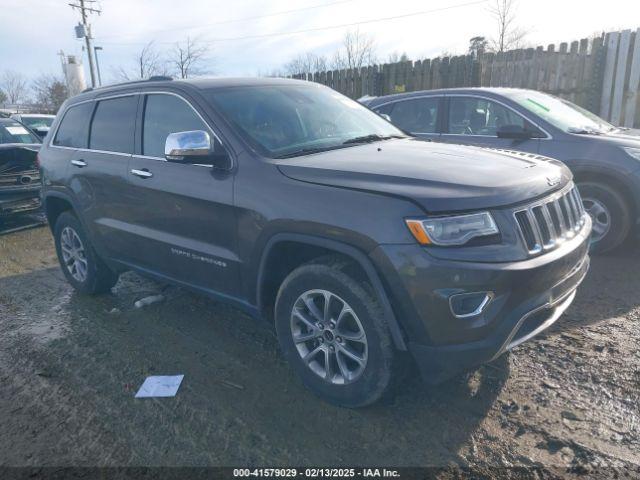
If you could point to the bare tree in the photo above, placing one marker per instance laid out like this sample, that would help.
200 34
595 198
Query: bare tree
3 97
148 62
15 86
358 50
306 63
509 35
187 58
396 57
49 92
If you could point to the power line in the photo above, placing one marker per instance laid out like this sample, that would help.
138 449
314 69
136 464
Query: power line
236 20
330 27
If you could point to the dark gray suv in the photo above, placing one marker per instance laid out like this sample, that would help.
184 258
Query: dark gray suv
605 160
363 246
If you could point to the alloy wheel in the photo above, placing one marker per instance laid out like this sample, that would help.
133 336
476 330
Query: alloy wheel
329 337
600 216
73 254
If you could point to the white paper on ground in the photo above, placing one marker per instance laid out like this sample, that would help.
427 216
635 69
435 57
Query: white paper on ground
160 386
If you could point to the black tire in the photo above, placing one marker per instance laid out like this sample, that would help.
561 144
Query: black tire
374 381
99 278
618 212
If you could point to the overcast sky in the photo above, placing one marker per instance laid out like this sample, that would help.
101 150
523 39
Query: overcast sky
32 32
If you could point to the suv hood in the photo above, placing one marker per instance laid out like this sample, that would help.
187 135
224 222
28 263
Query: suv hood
439 177
621 138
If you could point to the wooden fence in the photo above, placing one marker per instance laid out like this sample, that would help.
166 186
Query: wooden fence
601 74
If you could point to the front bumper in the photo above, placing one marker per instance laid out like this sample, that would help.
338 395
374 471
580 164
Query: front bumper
527 297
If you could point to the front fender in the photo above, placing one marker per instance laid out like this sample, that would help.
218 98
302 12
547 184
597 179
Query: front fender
348 250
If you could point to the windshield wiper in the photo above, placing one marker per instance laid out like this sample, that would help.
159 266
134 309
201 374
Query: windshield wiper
351 141
370 138
308 151
584 131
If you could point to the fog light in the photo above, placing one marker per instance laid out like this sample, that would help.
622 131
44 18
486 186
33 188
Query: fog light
465 305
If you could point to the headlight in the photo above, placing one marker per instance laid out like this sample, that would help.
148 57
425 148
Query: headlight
633 151
456 230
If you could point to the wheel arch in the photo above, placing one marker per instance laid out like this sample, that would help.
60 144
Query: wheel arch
307 247
612 179
54 204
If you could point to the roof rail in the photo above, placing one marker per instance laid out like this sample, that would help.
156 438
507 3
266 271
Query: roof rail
154 78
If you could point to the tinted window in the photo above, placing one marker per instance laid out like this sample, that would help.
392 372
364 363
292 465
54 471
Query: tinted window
74 127
416 116
477 116
384 109
165 114
113 125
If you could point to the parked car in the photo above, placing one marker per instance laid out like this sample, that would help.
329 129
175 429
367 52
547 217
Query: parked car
40 123
19 175
604 159
304 208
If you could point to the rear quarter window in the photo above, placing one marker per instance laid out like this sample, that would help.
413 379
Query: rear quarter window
74 127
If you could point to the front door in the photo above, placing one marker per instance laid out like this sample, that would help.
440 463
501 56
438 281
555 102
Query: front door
475 121
181 219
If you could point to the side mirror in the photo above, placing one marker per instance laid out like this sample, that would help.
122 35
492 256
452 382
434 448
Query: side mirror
385 116
195 147
41 131
516 132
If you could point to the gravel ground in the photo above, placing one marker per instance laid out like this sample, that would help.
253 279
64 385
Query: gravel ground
564 404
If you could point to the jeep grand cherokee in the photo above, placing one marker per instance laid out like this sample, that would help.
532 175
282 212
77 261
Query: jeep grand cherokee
306 209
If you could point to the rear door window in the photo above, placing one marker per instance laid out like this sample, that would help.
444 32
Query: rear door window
113 125
74 127
418 115
165 114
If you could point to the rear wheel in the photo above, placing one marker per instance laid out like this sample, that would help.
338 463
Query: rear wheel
82 267
332 331
609 213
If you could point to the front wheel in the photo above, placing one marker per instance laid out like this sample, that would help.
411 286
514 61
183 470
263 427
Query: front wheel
609 214
332 331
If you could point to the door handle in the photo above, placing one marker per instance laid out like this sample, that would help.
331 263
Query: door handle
79 163
144 173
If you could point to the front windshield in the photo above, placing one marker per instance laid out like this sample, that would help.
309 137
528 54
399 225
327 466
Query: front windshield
13 132
290 120
37 122
560 113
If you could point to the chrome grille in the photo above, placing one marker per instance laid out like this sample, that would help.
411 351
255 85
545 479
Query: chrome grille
550 221
22 178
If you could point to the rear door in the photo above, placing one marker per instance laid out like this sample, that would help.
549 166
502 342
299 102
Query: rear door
98 173
181 221
420 116
475 120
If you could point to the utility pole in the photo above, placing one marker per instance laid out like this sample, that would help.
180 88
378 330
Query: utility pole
84 10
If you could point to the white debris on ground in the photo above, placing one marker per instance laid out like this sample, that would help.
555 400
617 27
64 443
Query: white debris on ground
143 302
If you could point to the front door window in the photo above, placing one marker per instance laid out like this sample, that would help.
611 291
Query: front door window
479 116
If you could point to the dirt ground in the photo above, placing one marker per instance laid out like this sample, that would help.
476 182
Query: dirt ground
566 403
